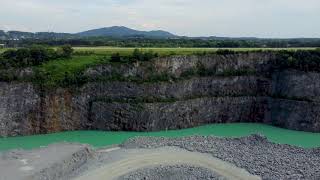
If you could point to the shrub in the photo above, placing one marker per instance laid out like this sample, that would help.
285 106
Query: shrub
300 60
32 56
115 57
65 51
203 71
225 51
139 55
75 78
26 57
149 55
83 53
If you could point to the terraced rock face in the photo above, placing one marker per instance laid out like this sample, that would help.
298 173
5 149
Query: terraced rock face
177 115
168 93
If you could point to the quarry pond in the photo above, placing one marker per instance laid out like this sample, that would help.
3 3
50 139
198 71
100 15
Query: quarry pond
101 138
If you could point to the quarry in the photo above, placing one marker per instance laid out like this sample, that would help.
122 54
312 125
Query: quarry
163 94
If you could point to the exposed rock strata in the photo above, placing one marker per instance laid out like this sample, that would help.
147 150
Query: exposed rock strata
177 115
286 98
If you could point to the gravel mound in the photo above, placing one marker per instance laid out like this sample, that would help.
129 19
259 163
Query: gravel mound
253 153
177 172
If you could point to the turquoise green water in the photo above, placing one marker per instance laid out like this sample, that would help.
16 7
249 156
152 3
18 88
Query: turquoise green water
100 138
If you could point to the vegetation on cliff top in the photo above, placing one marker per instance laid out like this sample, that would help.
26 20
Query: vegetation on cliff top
32 56
64 66
62 72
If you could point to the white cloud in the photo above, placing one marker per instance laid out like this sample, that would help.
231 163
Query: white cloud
263 18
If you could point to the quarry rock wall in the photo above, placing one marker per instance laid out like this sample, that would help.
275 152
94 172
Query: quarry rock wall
200 90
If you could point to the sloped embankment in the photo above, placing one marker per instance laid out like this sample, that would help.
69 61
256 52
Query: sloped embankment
53 162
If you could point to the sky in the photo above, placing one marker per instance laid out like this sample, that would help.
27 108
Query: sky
232 18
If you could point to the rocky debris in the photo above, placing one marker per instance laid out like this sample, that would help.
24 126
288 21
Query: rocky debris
254 153
48 163
176 172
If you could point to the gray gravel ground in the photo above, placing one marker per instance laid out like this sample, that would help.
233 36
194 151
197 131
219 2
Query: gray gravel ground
46 163
176 172
254 153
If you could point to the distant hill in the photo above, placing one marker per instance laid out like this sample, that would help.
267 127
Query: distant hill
18 35
114 31
2 35
121 31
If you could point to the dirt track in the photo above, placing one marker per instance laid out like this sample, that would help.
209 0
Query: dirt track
137 159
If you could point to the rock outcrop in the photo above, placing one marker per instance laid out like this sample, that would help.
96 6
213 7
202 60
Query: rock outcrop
168 93
18 106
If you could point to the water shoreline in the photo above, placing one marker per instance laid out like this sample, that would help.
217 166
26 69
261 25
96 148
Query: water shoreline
99 139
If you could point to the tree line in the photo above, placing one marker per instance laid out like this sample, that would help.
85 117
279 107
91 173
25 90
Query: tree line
137 55
33 56
175 43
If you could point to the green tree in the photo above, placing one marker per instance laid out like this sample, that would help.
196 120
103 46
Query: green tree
137 55
115 57
32 56
38 55
65 51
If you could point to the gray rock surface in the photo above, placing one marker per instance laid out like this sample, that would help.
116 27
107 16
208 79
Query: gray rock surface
184 89
254 153
177 115
17 102
296 115
177 65
296 84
